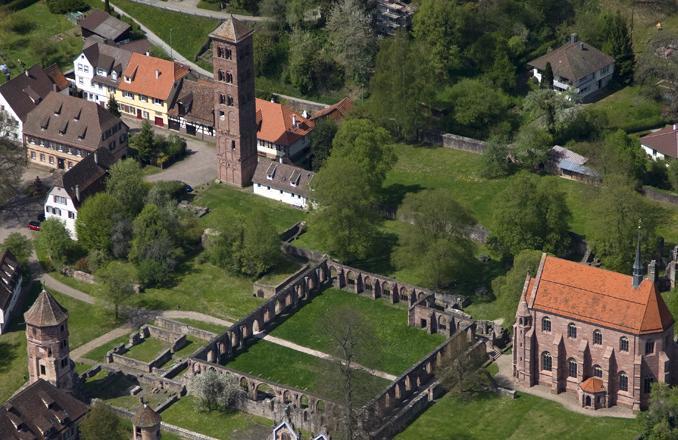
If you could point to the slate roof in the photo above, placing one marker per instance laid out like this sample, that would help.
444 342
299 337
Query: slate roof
336 111
104 25
152 76
664 140
276 123
39 411
145 417
573 61
24 92
70 120
195 101
9 277
590 294
86 177
45 311
570 161
232 30
108 58
283 177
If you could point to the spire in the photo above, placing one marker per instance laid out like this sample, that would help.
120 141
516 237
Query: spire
637 265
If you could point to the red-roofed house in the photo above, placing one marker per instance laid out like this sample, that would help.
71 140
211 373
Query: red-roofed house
661 144
281 132
603 335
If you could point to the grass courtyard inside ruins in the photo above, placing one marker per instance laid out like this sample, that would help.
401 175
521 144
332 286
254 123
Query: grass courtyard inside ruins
395 346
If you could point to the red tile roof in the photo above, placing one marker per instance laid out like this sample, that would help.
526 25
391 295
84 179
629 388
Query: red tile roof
336 111
598 296
152 76
276 123
592 385
665 141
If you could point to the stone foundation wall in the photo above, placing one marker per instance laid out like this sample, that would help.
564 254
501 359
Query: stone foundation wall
181 328
463 143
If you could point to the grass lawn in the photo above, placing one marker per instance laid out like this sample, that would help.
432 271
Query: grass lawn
285 267
527 417
397 345
188 349
98 353
228 205
286 366
214 328
629 110
147 350
185 33
222 425
33 46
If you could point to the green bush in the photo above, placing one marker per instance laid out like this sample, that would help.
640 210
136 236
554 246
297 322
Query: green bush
64 6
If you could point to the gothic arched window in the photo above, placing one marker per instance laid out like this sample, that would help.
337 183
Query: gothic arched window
545 324
623 343
546 361
623 381
597 337
572 367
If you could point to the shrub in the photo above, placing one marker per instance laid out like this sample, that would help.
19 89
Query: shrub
20 24
64 6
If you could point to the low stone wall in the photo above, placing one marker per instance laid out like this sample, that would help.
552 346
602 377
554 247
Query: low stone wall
181 328
175 369
91 372
130 363
161 383
162 334
262 290
463 143
660 196
294 231
299 105
302 253
79 275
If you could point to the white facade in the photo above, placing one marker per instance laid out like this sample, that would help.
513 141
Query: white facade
60 206
6 315
654 154
280 195
14 126
276 151
584 86
84 80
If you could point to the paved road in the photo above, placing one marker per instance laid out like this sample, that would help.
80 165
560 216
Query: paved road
198 168
52 283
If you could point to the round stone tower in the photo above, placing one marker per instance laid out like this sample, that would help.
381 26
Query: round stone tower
47 341
145 424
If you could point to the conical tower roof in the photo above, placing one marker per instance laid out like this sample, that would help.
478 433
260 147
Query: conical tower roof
45 312
231 29
145 417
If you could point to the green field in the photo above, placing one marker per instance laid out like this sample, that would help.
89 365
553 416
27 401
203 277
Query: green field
397 346
527 417
148 350
98 353
629 110
52 39
222 425
286 366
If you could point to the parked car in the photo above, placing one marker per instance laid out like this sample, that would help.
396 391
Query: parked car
187 188
34 225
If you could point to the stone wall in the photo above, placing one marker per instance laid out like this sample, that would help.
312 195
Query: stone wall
463 143
181 328
660 196
263 290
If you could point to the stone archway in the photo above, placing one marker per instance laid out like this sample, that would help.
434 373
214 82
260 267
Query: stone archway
264 391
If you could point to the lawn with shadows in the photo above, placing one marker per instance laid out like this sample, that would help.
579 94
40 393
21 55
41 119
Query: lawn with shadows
148 350
399 346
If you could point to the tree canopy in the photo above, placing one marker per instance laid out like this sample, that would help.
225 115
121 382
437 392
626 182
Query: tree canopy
101 422
96 220
19 245
126 185
54 242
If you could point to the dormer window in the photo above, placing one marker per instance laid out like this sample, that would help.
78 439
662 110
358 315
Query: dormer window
128 79
57 110
114 75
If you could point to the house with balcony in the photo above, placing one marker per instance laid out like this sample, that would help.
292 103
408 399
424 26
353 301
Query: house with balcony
282 134
578 68
98 70
149 86
63 130
71 188
24 92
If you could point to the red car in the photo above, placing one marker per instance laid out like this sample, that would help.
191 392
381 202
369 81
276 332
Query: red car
34 225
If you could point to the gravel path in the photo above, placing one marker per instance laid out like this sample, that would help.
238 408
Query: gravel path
114 334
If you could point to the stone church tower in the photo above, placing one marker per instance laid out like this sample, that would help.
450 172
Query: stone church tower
234 102
47 340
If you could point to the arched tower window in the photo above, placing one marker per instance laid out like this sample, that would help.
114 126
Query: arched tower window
572 367
597 337
571 330
546 361
545 324
597 371
623 381
623 343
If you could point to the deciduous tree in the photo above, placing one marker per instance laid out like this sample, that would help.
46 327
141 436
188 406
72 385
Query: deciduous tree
12 160
19 245
117 280
101 422
507 288
659 421
144 142
215 391
126 185
54 242
321 142
96 219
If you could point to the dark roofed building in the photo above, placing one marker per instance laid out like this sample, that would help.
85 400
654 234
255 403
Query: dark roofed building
72 188
24 92
570 165
10 287
285 183
577 67
336 112
62 130
41 411
98 70
108 28
661 144
192 111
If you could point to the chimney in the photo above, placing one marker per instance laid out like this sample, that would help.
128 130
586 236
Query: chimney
96 158
304 114
54 87
652 271
157 73
77 192
294 120
573 38
273 100
637 266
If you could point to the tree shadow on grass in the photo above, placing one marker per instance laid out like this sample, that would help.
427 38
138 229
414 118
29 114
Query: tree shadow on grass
110 387
8 352
395 193
380 259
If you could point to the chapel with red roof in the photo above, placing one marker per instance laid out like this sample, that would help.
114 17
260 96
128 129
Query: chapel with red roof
602 335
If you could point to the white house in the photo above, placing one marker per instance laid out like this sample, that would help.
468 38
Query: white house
70 189
281 132
577 67
282 182
24 92
98 69
10 287
661 144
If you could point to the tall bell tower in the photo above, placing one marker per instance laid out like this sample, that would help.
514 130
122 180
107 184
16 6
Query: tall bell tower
234 103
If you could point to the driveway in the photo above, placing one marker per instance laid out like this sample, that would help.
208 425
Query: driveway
197 168
15 214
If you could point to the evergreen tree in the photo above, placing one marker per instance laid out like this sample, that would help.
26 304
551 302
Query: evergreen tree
113 106
621 48
145 143
547 77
